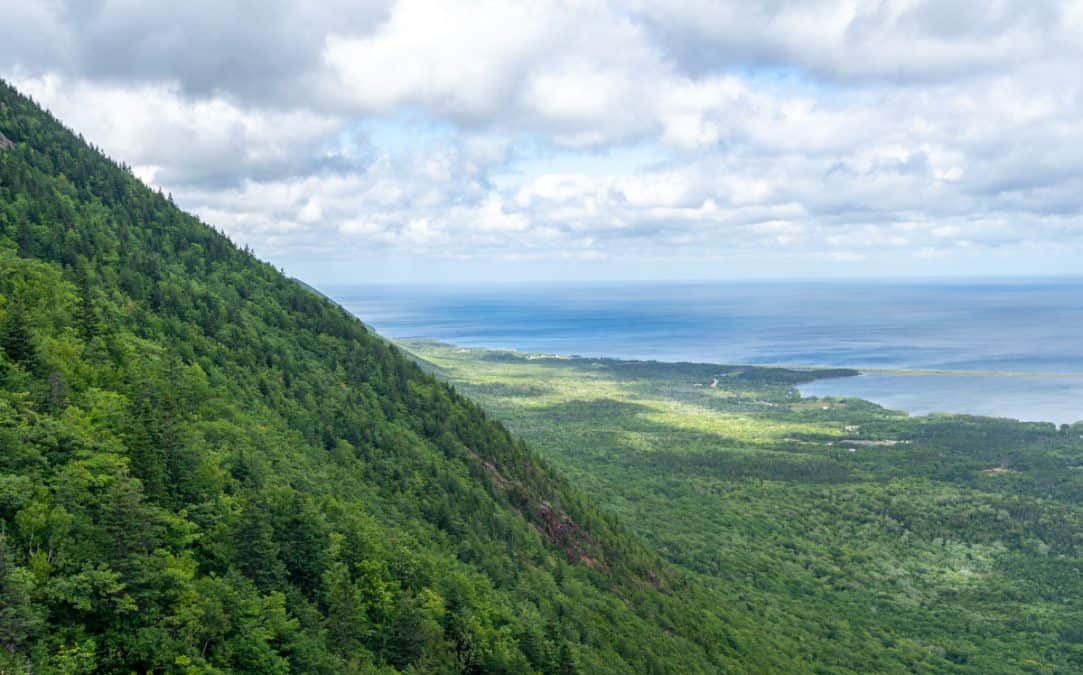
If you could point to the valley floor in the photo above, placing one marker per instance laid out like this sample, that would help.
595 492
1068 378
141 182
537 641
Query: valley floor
831 534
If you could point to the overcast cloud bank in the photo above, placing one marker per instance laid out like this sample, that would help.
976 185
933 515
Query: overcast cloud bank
588 139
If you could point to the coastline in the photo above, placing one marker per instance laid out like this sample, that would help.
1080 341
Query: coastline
847 382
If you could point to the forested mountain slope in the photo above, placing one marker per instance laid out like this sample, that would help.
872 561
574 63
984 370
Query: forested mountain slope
205 467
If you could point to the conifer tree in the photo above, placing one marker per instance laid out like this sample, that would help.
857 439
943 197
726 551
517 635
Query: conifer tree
257 551
86 317
15 336
145 451
18 617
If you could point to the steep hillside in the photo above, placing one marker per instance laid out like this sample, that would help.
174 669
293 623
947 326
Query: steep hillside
206 467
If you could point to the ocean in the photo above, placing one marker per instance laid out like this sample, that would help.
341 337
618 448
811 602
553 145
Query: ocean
1000 348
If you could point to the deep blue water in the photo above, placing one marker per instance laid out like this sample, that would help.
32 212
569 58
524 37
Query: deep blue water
1004 326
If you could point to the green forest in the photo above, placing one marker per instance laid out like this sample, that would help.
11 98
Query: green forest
833 534
206 467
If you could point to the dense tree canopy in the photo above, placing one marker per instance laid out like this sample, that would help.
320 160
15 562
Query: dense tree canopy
833 534
207 467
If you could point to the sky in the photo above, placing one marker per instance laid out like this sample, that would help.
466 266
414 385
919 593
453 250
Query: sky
445 141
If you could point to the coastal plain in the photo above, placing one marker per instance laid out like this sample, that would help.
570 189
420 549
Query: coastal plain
869 539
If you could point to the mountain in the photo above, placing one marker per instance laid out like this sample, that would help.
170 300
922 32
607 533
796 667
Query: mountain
207 467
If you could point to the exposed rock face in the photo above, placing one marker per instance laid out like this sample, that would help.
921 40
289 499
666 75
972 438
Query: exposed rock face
5 142
555 525
568 535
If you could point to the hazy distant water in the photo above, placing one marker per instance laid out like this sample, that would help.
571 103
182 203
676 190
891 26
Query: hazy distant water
1018 327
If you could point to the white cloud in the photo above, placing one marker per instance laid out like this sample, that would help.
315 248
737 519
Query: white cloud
176 140
892 40
826 128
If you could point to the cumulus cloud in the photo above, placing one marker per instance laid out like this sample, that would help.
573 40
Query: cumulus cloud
487 130
268 51
890 40
173 140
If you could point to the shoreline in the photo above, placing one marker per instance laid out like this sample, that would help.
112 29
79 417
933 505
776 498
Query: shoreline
823 375
804 367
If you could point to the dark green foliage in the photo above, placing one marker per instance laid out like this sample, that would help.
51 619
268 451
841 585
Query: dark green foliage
15 336
86 313
256 554
206 467
19 618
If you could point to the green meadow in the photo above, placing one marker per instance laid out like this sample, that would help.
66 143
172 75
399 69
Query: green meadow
837 535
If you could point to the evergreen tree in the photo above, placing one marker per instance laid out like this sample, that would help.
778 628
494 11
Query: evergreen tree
19 617
128 523
256 548
145 443
86 317
347 624
16 338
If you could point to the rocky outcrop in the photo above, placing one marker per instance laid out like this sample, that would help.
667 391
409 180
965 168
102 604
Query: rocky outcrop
560 529
5 142
552 523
